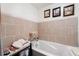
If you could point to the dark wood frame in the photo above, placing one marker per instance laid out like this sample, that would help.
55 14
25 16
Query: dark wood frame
72 5
54 13
48 10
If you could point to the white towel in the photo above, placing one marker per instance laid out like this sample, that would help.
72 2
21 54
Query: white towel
19 43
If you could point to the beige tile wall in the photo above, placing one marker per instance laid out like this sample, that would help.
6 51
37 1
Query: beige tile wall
15 28
62 31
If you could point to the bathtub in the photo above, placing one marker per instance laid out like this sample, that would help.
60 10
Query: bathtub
51 48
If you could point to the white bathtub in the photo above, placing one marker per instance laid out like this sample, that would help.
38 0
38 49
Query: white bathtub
51 48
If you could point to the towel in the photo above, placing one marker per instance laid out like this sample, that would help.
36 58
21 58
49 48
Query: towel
19 43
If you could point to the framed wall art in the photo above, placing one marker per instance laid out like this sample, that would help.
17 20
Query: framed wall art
56 12
47 13
68 10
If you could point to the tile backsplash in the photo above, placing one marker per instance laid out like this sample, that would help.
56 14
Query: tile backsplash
15 28
63 31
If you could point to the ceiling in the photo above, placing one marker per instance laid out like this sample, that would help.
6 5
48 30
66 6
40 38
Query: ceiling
40 5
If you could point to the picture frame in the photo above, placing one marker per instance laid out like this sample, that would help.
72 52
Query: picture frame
47 13
68 10
56 12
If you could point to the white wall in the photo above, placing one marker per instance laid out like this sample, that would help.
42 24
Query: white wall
21 10
54 5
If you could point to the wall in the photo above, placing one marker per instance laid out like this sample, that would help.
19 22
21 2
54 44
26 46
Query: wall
0 30
21 10
59 29
17 21
54 5
15 28
78 24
